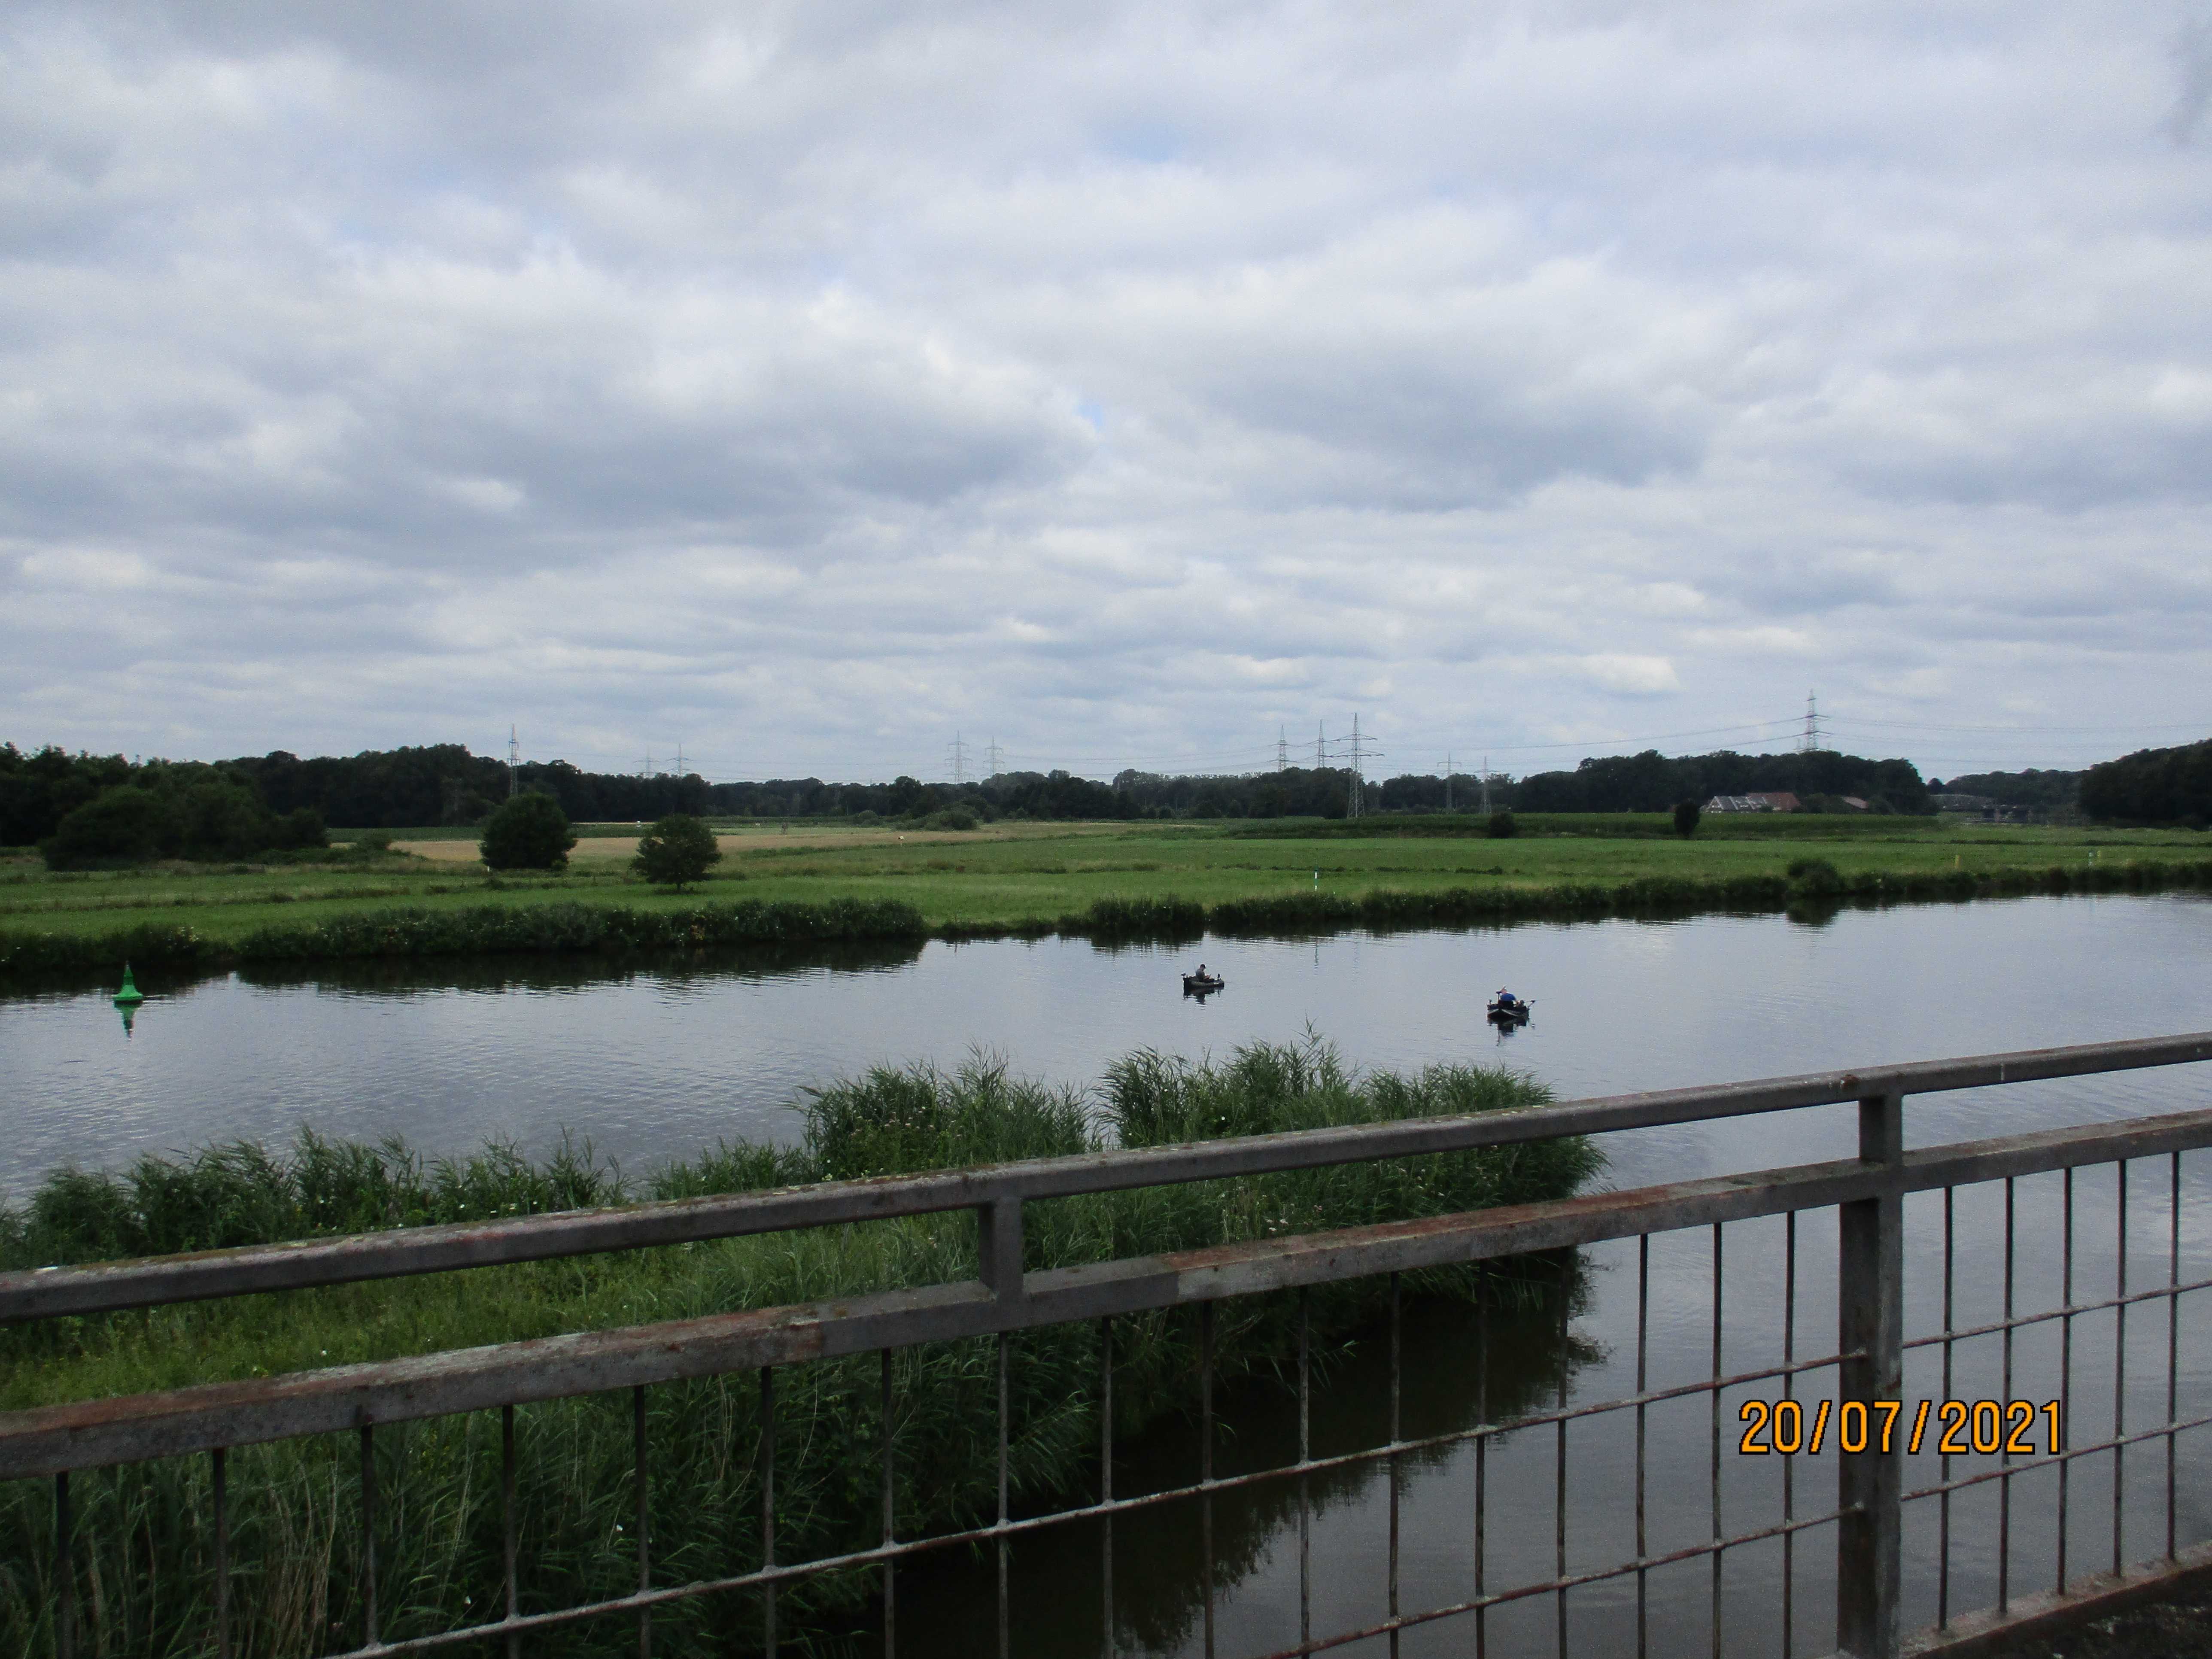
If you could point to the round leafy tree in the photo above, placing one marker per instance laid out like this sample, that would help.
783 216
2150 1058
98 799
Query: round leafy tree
1686 818
530 832
122 826
676 851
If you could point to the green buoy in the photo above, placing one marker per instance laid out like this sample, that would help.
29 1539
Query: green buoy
128 998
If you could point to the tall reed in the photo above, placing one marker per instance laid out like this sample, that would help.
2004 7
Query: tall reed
143 1537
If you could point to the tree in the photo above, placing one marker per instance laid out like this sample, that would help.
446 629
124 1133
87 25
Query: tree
676 852
122 826
530 832
1686 818
1502 825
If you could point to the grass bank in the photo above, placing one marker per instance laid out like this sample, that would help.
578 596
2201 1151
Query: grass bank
143 1545
1150 881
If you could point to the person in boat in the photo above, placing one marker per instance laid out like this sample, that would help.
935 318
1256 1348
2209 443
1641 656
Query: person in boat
1201 973
1506 999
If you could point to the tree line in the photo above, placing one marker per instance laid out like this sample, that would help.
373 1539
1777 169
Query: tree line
1652 782
231 809
83 811
2153 785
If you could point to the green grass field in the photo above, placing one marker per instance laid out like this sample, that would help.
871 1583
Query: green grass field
1030 876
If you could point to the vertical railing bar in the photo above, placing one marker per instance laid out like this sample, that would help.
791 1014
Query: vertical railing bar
891 1520
2120 1369
2004 1482
1482 1454
1559 1473
1305 1456
1106 1474
1714 1400
1643 1355
219 1480
2065 1366
1206 1459
2172 1343
768 1506
1870 1335
368 1534
1788 1464
65 1572
1943 1502
1005 1429
641 1479
1396 1380
508 1563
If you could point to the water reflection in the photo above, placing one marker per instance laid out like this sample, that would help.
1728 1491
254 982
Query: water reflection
1455 1359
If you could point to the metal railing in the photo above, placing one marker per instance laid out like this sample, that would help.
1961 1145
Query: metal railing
1867 1361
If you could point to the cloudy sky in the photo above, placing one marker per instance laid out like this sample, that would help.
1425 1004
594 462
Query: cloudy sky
806 385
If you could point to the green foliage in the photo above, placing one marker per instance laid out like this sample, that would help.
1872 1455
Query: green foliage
142 1529
1649 781
1502 825
676 852
176 811
122 826
1686 812
1164 918
530 832
2153 785
1814 879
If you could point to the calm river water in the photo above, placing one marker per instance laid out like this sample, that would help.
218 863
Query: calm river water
651 1064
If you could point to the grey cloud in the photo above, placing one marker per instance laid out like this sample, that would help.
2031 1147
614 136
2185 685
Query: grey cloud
840 372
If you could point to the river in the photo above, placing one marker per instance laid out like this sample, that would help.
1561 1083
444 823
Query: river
654 1063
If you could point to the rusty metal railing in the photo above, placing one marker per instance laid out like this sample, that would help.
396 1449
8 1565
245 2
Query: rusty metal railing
1867 1194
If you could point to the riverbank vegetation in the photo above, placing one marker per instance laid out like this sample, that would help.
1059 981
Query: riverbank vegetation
777 884
293 1547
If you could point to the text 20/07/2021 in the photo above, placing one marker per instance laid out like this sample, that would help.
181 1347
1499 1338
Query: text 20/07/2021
1962 1426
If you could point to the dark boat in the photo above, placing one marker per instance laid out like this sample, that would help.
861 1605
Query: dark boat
1510 1013
1202 985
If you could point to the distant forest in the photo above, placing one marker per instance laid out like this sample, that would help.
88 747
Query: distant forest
444 784
1651 783
2043 792
2153 785
275 800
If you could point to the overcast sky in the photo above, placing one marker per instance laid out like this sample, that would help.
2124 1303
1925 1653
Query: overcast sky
807 384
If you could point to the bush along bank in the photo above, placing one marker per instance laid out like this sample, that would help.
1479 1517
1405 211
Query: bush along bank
479 930
295 1550
614 929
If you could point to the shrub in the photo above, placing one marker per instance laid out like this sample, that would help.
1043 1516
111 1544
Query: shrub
1502 824
303 826
1686 818
122 825
676 852
1814 877
530 832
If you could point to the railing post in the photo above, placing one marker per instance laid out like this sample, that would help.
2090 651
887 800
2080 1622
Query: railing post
1870 1302
998 1247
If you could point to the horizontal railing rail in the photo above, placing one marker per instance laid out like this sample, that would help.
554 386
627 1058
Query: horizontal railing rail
100 1287
96 1433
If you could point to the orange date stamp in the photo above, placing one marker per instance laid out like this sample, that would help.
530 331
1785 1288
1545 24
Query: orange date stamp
1787 1428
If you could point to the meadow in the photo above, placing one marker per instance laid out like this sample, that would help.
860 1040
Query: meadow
1040 878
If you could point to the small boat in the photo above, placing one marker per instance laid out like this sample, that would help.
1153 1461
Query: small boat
1510 1013
1202 985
